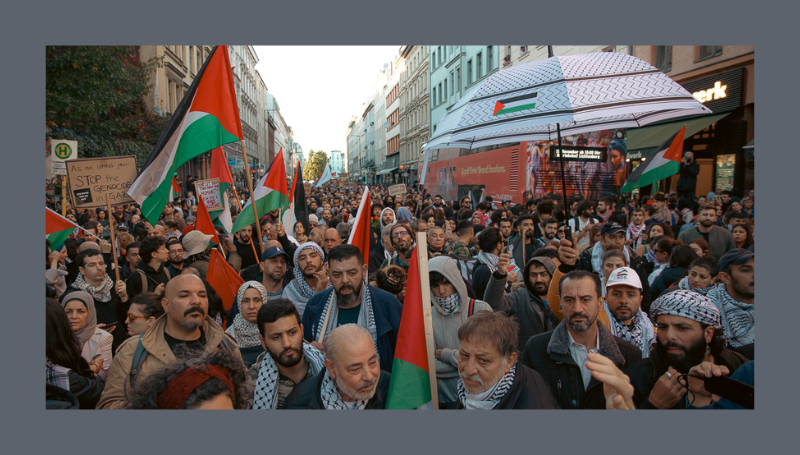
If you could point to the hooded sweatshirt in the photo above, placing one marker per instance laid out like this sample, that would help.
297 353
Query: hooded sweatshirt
445 326
393 214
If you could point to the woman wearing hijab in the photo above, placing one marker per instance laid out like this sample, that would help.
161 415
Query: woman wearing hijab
244 329
95 344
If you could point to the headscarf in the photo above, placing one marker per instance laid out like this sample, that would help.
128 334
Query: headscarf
597 259
481 216
394 219
299 281
243 331
687 304
87 332
404 214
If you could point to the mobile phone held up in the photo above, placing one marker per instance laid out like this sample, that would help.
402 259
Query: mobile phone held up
731 389
567 233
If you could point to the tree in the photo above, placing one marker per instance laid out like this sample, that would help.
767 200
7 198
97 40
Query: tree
315 165
96 94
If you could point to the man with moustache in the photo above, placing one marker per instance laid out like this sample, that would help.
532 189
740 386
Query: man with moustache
689 333
352 378
288 360
352 300
310 276
402 236
525 224
623 307
735 298
184 332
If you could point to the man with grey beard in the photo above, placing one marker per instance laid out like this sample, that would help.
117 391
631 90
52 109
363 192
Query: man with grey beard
352 378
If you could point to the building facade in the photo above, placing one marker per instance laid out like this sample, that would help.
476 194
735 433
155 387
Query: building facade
414 109
337 161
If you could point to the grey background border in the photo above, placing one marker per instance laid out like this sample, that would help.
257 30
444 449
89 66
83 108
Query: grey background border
31 26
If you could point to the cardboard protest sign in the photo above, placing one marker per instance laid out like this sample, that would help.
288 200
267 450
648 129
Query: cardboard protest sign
97 182
209 189
398 189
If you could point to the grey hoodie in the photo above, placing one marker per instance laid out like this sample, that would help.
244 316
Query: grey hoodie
393 214
445 327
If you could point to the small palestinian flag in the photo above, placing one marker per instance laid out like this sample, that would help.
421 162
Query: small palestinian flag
665 162
271 193
515 104
57 228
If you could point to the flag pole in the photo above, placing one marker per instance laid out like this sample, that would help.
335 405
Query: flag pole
113 246
63 196
425 285
252 200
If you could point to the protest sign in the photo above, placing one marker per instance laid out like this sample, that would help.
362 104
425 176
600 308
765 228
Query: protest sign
209 189
398 189
98 182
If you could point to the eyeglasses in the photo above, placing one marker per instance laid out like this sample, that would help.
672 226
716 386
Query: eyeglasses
133 318
400 234
658 251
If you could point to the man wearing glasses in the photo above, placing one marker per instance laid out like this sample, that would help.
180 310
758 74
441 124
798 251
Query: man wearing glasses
175 251
403 243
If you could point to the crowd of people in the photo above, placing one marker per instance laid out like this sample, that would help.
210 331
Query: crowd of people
625 303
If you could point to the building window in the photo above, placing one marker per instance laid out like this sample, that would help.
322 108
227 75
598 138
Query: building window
489 59
479 65
434 60
452 83
458 76
440 55
709 51
508 51
469 72
664 58
523 50
434 95
445 90
440 93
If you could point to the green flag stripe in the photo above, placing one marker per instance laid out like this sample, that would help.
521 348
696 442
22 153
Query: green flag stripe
409 387
273 200
653 175
57 238
523 107
204 134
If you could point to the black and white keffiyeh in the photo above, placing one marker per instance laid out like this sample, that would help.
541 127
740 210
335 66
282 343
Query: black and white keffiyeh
56 375
101 293
330 395
449 305
684 284
738 319
366 317
266 391
687 304
489 259
244 332
299 282
639 333
490 398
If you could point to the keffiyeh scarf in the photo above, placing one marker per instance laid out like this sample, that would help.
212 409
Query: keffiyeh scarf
684 284
489 259
330 395
101 293
244 332
639 333
266 391
738 319
597 259
299 281
489 399
449 305
366 317
687 304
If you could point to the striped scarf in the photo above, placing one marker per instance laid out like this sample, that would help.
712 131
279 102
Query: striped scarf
330 397
449 305
490 398
738 319
489 259
243 331
366 317
639 333
265 395
101 293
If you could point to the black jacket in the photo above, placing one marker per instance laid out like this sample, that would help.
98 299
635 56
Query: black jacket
645 373
245 251
667 278
637 263
306 395
154 278
687 180
549 355
528 391
376 258
481 275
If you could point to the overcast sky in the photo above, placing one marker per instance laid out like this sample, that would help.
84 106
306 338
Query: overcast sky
320 88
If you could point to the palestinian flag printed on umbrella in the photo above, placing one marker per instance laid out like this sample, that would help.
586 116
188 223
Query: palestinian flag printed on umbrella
409 386
271 193
665 162
219 169
206 118
57 228
298 210
515 104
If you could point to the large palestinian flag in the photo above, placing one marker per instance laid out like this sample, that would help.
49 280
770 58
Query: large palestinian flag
665 162
206 118
269 194
57 228
409 386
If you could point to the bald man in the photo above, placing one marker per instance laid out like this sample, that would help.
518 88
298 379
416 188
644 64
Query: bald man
330 240
183 333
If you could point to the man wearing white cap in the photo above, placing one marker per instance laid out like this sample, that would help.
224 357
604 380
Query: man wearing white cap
623 307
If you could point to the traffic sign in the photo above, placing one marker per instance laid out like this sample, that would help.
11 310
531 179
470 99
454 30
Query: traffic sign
64 150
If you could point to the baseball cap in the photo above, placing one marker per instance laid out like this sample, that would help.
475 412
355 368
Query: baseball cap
626 276
122 227
273 251
611 228
736 256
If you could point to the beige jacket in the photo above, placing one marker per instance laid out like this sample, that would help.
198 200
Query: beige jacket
159 355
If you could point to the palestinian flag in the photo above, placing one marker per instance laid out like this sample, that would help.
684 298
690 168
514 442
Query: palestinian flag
665 162
269 194
514 104
57 228
298 210
206 118
361 233
410 386
176 189
219 169
203 222
223 278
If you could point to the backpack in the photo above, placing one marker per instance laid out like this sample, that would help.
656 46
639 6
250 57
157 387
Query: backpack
471 309
466 264
144 278
140 354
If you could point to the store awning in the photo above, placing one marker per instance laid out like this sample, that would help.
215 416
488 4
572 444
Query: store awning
643 141
750 149
386 171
